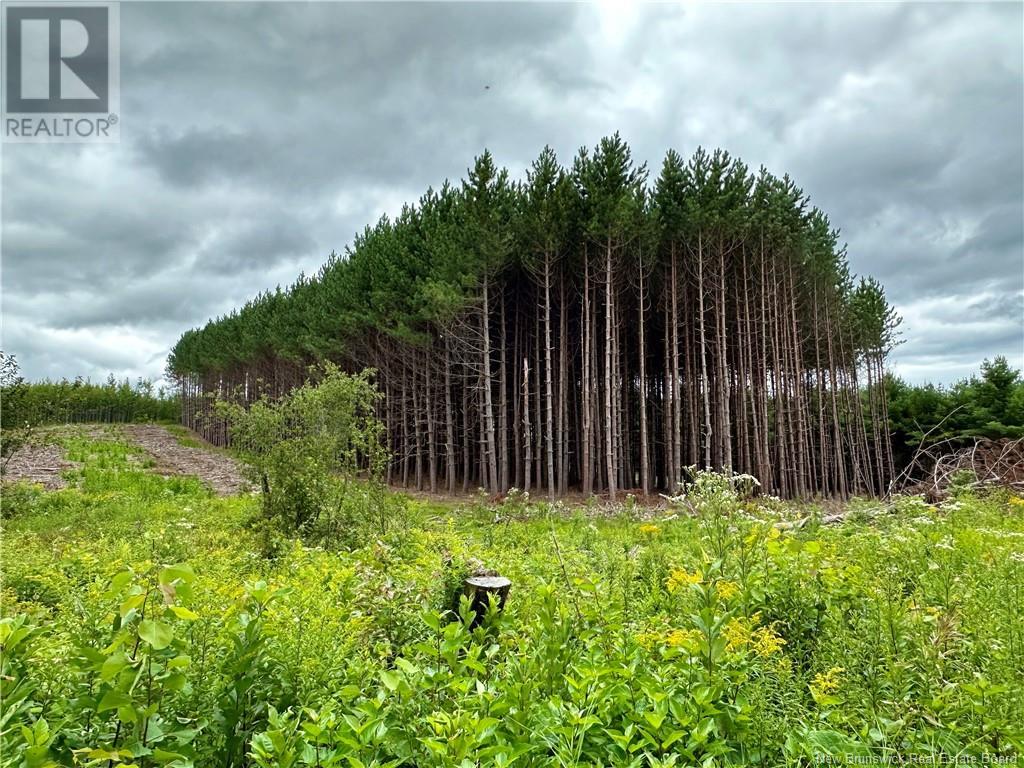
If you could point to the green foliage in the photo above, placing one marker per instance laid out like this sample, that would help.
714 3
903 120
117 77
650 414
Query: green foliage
988 405
318 456
475 288
121 680
17 420
57 402
141 628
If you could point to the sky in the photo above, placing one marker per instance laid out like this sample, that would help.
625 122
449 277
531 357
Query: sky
256 138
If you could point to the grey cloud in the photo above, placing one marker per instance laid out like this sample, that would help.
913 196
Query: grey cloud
258 137
202 156
255 245
378 92
1000 307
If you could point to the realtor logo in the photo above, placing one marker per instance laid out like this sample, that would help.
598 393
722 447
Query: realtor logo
61 72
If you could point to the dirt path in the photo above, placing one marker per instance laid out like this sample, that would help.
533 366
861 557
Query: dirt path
39 463
218 470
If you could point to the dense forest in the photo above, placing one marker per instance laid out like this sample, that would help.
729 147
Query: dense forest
589 328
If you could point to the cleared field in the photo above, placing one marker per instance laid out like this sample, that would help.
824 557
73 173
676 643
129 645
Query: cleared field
143 626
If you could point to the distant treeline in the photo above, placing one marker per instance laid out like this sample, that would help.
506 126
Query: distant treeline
80 400
988 405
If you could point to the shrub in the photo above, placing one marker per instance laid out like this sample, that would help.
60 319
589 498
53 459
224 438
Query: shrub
318 456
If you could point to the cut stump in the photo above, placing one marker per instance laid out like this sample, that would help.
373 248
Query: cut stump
479 588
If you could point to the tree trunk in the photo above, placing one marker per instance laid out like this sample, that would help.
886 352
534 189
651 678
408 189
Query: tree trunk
609 306
527 435
491 451
549 425
705 383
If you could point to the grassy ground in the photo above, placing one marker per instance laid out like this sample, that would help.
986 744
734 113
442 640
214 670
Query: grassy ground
143 627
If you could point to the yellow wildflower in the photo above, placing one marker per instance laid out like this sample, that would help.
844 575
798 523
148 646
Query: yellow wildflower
650 529
744 632
825 684
1018 501
737 634
766 642
648 640
683 638
688 639
681 578
727 589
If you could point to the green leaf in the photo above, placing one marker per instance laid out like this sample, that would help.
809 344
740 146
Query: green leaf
112 666
113 699
432 620
672 738
131 603
119 582
390 680
157 633
655 719
161 756
184 613
180 572
407 666
175 682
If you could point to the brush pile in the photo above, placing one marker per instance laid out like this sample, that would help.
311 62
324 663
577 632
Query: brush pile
984 463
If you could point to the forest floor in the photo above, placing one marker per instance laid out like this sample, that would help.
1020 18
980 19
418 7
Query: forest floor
596 505
42 459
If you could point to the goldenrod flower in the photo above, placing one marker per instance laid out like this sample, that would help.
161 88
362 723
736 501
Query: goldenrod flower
737 634
683 638
682 578
766 642
650 529
727 589
648 640
825 683
744 632
674 638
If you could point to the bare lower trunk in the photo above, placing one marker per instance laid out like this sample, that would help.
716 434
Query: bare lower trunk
527 435
549 426
705 383
491 451
645 473
609 306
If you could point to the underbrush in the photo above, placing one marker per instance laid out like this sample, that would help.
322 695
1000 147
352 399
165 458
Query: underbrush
142 627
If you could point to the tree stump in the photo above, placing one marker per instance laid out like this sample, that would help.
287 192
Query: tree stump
479 589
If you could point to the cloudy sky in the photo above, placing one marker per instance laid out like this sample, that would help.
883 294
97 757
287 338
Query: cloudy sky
257 138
